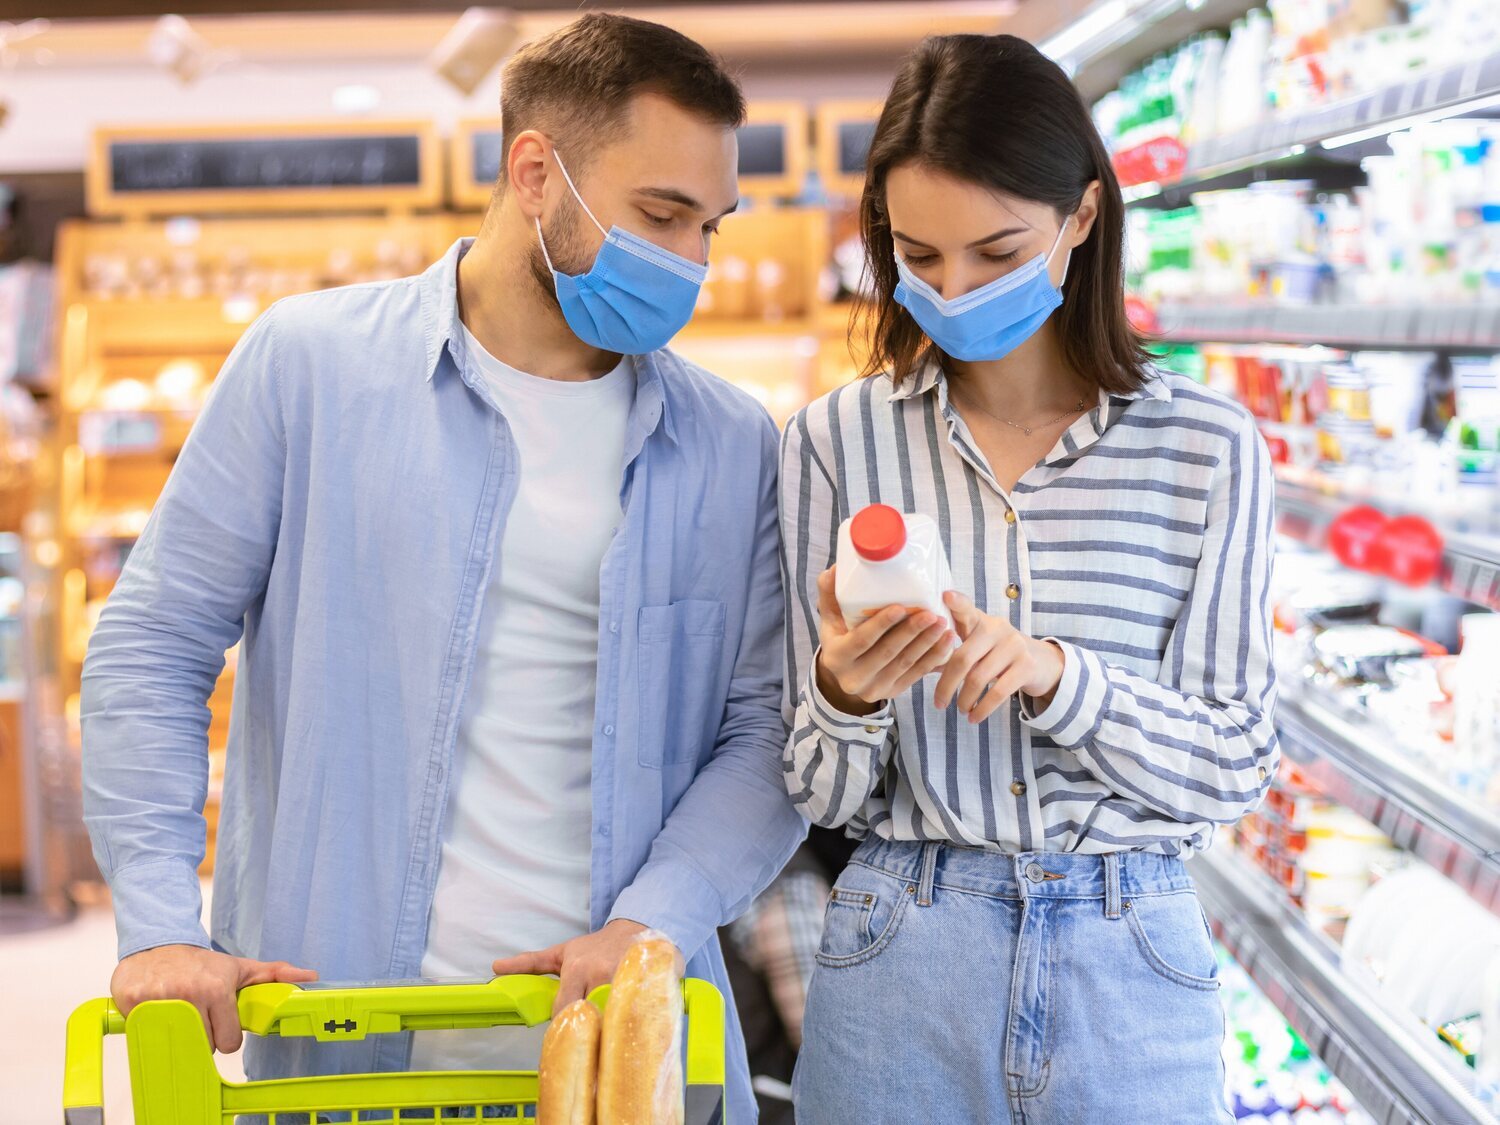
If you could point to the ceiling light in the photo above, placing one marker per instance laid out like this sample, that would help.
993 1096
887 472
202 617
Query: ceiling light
477 43
174 45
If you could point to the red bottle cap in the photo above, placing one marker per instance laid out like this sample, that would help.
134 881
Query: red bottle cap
878 532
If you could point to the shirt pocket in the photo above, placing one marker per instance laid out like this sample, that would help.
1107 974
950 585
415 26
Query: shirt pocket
680 649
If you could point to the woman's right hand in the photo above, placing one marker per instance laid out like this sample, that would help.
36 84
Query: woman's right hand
859 669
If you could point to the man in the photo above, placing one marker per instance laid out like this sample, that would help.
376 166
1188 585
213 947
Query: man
506 574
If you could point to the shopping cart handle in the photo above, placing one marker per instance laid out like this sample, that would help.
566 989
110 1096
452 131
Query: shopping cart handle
83 1069
169 1045
343 1015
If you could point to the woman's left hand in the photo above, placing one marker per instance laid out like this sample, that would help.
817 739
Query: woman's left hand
994 662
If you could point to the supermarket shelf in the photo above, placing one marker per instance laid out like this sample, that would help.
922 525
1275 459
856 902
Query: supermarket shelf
1394 1065
1347 757
1443 92
1451 327
1306 505
1119 46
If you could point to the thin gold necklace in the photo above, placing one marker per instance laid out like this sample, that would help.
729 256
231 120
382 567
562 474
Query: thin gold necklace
1027 430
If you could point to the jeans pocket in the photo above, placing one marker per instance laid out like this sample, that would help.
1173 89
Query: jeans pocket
865 909
1172 939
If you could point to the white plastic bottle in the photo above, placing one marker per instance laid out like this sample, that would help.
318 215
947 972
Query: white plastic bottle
885 559
1487 1065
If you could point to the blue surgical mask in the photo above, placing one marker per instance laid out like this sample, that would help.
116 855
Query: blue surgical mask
634 298
989 322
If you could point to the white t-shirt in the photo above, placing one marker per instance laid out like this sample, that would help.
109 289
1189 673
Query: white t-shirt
514 871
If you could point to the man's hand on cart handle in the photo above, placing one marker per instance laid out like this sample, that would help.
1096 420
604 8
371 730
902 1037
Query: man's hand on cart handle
209 980
581 965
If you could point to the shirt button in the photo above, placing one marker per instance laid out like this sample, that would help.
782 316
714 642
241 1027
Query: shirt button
1010 515
1012 591
1262 772
609 730
614 626
1018 788
604 830
876 730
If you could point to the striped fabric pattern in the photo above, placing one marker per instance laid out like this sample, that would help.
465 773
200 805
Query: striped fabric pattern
1142 544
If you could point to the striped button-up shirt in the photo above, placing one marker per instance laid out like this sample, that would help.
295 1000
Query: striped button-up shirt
1141 544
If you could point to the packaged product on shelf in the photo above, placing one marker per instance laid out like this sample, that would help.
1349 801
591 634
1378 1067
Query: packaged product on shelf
1425 228
1476 706
1294 57
1430 948
1487 1055
1474 434
1344 853
1269 1072
1362 654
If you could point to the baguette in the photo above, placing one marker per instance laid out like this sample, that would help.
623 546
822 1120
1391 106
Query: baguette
569 1068
640 1054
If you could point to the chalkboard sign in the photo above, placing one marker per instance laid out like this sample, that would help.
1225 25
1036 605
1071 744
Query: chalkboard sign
762 150
773 149
262 167
296 162
854 146
845 131
486 154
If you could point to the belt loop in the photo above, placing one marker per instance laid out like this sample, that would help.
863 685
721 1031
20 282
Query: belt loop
929 873
1112 885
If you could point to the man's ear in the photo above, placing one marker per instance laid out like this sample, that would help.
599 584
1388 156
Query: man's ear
526 172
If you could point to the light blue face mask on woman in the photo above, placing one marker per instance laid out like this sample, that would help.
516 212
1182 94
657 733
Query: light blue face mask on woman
634 298
989 322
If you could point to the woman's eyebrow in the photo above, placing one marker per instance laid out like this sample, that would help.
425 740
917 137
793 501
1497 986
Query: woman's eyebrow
1006 233
999 234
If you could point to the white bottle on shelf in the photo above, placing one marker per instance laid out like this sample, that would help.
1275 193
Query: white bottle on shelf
1476 702
1487 1064
886 558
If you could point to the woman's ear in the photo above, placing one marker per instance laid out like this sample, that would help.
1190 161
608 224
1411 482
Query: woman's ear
1083 218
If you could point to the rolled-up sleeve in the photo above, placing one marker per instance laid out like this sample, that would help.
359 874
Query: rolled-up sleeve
833 761
1196 744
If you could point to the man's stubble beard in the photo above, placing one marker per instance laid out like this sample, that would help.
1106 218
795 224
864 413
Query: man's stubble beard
562 245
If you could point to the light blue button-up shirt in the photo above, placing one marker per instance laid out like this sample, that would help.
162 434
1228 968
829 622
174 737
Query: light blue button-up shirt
338 507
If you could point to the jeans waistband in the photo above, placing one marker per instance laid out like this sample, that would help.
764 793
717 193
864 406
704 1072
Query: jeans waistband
1025 874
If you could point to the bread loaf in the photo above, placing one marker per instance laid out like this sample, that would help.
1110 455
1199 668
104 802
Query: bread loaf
640 1053
569 1068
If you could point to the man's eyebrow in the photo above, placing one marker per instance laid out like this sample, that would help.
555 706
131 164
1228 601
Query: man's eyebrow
672 195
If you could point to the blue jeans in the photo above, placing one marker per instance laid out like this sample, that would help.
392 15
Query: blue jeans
987 989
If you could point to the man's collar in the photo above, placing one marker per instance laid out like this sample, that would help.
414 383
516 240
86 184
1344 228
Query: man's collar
440 320
443 327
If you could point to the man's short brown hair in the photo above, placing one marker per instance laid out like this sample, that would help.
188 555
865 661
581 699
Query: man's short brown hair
576 85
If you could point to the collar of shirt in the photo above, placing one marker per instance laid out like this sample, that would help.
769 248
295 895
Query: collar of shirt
443 327
1075 439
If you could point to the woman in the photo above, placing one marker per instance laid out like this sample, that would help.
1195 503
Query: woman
1017 938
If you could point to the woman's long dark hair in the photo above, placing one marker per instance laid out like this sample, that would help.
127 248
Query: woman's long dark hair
994 111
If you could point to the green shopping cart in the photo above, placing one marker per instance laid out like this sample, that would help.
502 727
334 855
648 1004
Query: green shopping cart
174 1080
